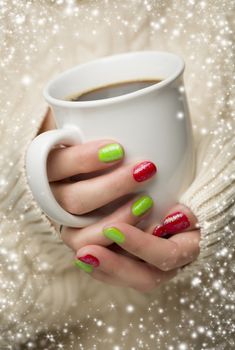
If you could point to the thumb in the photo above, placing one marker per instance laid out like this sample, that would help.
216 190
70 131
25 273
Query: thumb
178 219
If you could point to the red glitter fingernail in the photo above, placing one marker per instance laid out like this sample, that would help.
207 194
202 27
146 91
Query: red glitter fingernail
144 171
173 223
89 259
159 231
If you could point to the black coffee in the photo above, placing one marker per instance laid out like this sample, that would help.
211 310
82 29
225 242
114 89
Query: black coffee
112 90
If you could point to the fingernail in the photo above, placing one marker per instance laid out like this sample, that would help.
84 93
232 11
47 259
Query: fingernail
143 171
89 259
83 266
173 223
114 234
159 231
110 153
142 205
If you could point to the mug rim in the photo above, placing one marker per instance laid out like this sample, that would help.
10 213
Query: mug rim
157 86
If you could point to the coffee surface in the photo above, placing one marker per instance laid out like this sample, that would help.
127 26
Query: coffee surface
112 90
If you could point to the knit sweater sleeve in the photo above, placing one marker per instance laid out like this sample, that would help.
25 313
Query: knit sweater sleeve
35 266
211 197
40 288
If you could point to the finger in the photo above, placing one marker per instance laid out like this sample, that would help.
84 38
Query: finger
120 270
179 218
85 196
83 158
77 238
189 246
165 254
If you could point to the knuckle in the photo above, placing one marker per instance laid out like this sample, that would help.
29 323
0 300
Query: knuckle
172 260
69 237
72 200
80 206
70 205
194 255
193 250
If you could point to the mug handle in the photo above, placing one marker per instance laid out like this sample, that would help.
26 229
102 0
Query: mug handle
36 171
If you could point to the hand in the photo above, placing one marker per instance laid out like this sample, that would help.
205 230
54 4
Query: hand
91 163
66 193
157 259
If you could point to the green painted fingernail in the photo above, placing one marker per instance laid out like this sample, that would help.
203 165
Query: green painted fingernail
111 152
142 205
114 234
83 266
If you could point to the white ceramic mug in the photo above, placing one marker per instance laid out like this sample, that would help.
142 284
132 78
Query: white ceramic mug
152 123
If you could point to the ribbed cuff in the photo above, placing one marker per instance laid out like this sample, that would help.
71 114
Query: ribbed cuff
211 198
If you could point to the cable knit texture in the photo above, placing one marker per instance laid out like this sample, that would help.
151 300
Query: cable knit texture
43 298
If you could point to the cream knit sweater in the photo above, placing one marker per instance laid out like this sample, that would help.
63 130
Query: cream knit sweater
46 302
